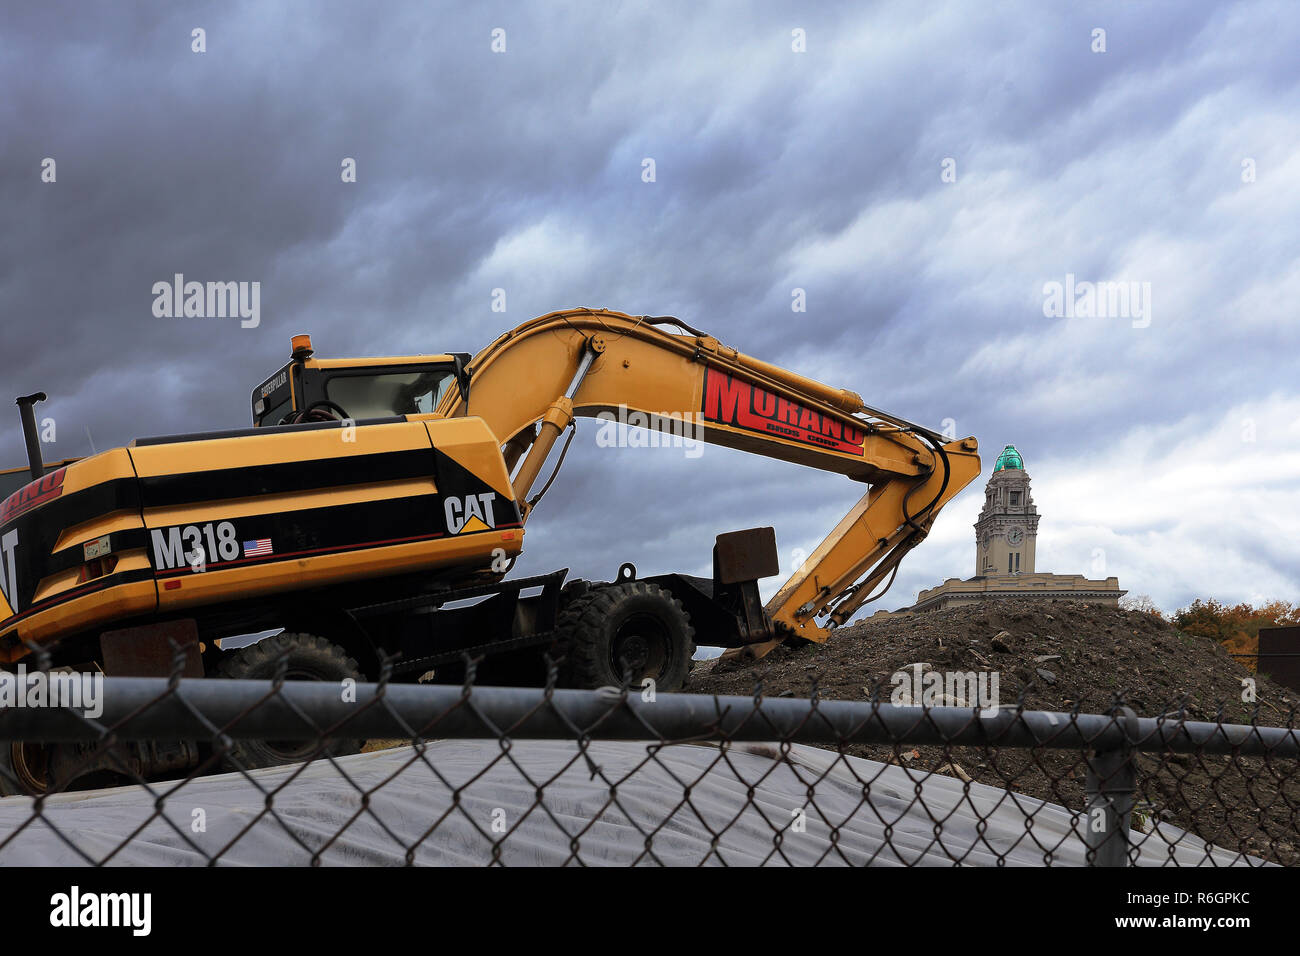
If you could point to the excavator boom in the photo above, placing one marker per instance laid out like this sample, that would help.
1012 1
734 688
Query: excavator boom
530 383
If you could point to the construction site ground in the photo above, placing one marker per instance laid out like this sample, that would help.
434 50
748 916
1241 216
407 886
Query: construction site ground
1062 656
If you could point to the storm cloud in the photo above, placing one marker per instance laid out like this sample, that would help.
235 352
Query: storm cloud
921 172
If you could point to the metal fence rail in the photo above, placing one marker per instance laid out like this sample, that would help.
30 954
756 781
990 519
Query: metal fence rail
830 781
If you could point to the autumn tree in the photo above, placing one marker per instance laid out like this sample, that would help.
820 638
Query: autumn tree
1141 603
1236 626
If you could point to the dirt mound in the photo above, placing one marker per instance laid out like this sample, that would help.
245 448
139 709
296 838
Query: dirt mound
1063 656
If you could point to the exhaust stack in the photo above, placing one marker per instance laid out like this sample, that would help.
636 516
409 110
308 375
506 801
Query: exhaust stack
30 435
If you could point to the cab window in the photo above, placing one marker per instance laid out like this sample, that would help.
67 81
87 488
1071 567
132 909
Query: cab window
389 393
274 415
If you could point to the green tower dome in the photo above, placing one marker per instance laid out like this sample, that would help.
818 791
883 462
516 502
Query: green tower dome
1010 458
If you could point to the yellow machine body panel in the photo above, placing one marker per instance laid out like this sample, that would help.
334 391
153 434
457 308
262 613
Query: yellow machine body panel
168 524
47 591
375 361
12 479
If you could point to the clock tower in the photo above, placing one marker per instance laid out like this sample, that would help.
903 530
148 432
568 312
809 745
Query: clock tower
1004 553
1008 523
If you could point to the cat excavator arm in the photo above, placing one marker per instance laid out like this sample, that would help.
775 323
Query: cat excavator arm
530 384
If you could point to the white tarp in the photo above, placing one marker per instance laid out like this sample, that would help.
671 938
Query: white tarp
316 804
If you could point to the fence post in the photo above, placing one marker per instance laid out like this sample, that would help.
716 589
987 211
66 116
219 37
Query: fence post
1112 794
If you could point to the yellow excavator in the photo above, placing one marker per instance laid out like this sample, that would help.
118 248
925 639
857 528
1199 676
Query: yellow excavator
372 512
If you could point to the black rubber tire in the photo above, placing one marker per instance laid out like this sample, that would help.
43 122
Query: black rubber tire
11 779
307 657
7 787
611 616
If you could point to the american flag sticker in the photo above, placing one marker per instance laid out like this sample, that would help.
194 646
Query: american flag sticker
258 548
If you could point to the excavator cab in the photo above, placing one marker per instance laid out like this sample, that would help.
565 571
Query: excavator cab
368 389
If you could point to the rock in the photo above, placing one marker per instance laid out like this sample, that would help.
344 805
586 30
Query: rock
786 693
1046 675
956 770
1046 657
999 642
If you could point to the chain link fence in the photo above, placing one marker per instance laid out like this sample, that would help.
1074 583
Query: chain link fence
165 772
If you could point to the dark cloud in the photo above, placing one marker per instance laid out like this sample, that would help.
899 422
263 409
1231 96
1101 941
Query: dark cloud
775 170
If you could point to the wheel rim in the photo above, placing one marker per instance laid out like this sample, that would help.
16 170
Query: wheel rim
643 644
31 763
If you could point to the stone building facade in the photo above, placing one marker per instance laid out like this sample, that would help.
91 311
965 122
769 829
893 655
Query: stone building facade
1005 550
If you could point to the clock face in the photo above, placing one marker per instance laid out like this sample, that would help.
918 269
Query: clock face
1015 536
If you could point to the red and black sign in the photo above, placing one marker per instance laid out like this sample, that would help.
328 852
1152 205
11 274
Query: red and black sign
740 404
31 495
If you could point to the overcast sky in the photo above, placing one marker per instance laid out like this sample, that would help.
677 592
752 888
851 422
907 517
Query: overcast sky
922 171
